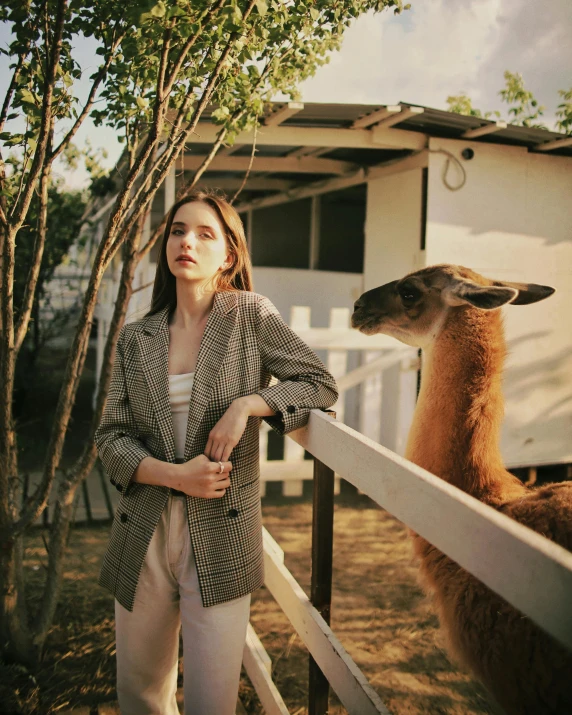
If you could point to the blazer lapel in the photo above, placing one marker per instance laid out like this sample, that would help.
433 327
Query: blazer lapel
154 359
212 351
154 356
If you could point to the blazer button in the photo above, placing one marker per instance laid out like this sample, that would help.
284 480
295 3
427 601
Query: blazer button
233 513
291 409
123 517
113 481
119 487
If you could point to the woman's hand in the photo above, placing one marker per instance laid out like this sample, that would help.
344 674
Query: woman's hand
199 477
225 435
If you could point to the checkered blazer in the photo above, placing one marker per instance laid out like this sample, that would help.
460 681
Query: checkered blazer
245 342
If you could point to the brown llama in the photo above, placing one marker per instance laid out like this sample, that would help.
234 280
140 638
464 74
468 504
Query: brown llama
453 314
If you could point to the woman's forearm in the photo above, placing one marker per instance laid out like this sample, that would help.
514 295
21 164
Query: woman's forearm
254 406
156 472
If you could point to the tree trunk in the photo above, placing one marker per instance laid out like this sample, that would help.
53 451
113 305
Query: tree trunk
63 511
15 634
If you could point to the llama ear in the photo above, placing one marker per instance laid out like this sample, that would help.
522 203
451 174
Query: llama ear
527 292
484 297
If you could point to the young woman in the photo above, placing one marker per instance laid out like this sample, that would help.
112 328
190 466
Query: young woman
179 440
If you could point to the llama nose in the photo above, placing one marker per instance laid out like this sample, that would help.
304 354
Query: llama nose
360 303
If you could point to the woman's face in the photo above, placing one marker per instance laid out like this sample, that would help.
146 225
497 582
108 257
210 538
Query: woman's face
197 234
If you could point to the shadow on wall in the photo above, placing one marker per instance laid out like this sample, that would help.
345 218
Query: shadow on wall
546 438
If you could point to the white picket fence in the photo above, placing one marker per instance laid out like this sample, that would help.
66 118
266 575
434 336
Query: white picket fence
529 571
387 382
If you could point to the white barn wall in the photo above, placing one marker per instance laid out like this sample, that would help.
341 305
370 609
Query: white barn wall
321 290
392 248
393 228
513 220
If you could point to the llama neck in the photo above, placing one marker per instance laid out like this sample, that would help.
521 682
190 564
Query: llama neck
456 427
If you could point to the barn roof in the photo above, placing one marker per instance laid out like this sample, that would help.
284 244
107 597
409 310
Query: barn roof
308 148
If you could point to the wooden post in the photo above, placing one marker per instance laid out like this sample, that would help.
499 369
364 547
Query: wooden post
321 588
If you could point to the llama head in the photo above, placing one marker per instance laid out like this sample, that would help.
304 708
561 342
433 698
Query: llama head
414 309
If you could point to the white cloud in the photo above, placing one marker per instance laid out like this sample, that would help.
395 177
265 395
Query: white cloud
442 47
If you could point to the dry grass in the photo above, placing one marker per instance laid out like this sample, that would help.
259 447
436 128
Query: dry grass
378 613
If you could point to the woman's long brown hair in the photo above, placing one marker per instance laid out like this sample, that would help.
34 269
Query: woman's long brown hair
237 277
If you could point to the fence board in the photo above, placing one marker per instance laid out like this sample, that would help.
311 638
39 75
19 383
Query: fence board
349 683
257 664
528 570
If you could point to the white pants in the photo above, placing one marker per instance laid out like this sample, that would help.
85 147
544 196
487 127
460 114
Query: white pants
148 637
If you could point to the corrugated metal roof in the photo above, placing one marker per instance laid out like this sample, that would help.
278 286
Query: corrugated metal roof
435 122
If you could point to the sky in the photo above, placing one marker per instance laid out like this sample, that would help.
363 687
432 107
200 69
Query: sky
435 49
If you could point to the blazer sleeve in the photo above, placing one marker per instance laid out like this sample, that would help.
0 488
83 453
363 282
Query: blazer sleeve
116 437
304 383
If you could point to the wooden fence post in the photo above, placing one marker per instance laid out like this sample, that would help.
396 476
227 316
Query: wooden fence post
321 588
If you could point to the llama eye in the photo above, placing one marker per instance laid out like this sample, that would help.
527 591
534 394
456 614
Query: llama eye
408 295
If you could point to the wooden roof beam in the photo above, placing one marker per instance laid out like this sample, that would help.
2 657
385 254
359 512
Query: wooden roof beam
363 174
317 137
556 144
310 151
296 165
254 183
399 117
485 129
375 117
282 114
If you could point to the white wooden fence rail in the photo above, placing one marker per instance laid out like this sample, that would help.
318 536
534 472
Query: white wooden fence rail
531 572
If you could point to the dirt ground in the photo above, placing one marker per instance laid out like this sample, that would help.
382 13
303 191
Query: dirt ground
378 613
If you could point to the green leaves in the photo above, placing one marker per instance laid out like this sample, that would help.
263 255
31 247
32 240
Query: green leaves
261 7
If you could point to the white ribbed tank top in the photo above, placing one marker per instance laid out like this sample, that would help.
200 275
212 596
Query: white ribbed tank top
180 387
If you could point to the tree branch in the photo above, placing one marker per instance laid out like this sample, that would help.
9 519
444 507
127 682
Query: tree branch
10 91
239 190
63 511
188 45
38 251
46 120
100 77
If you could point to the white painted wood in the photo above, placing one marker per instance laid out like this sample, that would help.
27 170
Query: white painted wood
352 178
258 668
345 678
299 321
373 366
528 570
485 129
297 165
337 364
399 117
280 470
272 546
371 396
281 115
376 117
345 339
318 136
556 144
